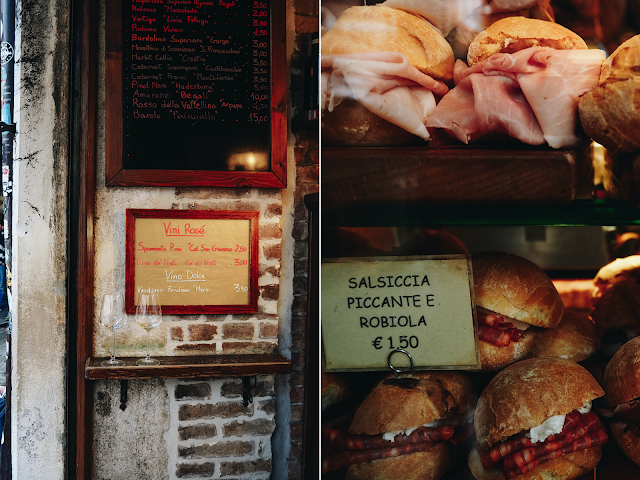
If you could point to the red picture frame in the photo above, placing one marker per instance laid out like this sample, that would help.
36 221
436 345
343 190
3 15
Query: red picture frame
117 175
133 214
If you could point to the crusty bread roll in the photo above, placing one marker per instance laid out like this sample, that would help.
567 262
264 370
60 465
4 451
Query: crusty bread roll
351 124
623 63
575 338
627 439
334 389
567 467
621 380
610 114
390 408
414 466
516 287
621 270
513 34
618 308
527 393
494 357
382 29
621 384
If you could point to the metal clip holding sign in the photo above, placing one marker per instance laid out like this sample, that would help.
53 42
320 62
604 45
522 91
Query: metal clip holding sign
399 380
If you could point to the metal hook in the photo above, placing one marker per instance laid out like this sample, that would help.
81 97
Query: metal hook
395 370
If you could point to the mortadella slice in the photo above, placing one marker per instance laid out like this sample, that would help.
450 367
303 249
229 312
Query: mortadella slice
385 83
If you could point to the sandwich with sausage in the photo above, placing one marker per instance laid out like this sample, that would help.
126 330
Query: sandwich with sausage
405 429
534 421
512 294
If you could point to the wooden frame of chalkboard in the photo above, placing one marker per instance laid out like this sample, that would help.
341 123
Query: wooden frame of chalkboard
195 149
189 232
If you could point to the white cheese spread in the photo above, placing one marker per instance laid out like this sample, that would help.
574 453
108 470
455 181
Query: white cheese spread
552 426
456 420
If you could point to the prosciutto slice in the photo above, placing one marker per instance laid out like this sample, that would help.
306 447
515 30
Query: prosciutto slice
520 455
385 83
531 95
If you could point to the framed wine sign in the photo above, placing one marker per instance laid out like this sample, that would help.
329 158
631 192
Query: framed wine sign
195 93
197 261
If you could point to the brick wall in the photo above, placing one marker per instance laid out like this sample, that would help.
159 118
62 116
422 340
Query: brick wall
306 153
218 435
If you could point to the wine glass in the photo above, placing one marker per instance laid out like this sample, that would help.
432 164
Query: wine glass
148 316
113 316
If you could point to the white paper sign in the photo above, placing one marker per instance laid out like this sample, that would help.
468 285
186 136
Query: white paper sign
424 305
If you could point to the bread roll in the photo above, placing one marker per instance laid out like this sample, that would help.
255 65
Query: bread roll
390 408
610 114
516 287
621 380
383 29
527 393
513 34
351 124
574 338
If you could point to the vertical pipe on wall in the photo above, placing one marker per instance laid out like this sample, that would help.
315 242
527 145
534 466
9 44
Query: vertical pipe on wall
7 59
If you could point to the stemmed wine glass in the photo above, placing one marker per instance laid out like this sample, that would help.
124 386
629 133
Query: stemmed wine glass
148 316
113 316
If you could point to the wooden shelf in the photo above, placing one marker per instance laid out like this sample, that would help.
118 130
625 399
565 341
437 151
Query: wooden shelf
192 367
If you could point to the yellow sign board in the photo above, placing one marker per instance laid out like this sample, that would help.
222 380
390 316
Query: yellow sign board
375 305
196 261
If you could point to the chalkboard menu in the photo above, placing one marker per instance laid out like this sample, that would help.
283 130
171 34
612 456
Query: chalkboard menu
195 93
196 261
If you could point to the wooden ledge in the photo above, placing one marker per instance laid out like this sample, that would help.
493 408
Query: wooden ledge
192 366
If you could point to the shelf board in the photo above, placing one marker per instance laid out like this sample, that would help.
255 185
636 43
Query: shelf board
576 213
192 367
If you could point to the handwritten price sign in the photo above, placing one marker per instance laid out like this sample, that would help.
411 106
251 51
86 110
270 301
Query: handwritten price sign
423 304
197 261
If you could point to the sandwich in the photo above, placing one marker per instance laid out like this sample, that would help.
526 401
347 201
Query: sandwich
382 70
523 81
575 338
534 421
621 384
512 294
405 429
620 271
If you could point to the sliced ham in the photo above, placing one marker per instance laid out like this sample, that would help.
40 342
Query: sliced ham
385 83
531 95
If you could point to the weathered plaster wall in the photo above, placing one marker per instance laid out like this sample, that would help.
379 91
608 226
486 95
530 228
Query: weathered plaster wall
40 239
197 428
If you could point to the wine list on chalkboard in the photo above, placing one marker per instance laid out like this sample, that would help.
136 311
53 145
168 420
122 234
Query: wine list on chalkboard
196 84
197 261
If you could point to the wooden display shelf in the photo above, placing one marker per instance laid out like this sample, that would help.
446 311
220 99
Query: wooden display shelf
374 175
192 367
